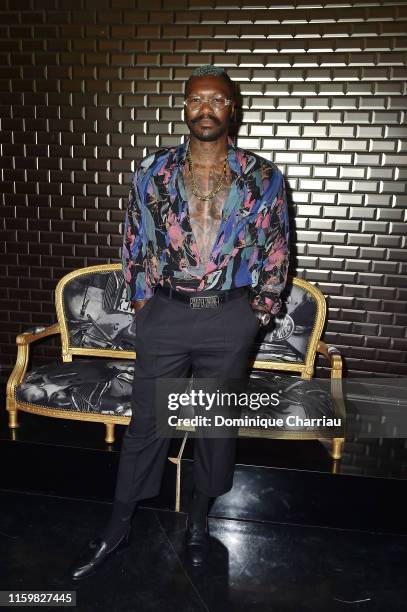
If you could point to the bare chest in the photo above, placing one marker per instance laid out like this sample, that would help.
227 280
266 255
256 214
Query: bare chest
206 215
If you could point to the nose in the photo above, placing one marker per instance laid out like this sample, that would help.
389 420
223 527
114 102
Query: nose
206 103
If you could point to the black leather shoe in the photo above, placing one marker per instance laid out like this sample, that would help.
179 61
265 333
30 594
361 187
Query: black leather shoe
197 542
95 554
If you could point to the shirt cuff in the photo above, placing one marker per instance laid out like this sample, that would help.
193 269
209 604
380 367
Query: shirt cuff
269 304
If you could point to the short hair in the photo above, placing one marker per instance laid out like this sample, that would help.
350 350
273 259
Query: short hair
211 70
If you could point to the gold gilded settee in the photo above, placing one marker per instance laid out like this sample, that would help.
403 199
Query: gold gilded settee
93 379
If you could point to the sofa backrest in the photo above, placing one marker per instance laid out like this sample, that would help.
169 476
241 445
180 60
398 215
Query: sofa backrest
93 313
291 339
96 319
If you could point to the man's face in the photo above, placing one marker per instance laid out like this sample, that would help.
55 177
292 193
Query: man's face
208 124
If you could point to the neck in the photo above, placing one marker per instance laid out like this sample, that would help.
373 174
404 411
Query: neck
209 152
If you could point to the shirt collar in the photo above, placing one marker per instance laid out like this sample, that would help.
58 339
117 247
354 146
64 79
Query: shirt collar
232 157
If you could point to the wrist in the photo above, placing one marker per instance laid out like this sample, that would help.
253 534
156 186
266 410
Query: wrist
138 304
259 308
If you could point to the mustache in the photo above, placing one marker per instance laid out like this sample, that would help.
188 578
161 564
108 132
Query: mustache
211 117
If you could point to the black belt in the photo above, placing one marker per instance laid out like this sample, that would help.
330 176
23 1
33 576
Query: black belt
212 300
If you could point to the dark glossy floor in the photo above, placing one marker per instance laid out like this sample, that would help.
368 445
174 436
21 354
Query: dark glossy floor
254 566
294 534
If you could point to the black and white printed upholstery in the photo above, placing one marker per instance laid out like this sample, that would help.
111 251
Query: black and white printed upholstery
98 317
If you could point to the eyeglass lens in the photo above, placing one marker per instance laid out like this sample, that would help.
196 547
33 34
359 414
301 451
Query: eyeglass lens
216 103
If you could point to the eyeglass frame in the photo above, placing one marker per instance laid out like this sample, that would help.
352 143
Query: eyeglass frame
209 101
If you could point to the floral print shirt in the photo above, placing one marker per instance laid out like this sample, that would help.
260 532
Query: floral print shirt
252 243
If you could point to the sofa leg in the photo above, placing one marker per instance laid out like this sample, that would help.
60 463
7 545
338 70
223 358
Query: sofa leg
178 462
12 419
337 446
109 439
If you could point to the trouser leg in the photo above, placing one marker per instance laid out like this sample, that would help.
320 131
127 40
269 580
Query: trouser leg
223 342
142 456
145 449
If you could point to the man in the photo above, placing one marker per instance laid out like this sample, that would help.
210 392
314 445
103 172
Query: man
204 220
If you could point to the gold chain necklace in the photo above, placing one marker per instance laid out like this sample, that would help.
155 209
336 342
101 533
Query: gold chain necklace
194 188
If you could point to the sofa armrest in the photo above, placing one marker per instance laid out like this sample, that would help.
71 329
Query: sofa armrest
334 357
36 333
23 342
332 354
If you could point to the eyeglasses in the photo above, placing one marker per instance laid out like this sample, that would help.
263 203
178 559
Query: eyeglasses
218 103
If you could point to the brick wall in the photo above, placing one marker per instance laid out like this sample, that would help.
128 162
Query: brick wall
89 87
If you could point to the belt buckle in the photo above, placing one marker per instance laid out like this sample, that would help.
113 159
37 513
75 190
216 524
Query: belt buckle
207 301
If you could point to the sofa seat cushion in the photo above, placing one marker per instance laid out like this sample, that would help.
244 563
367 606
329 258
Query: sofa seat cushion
300 405
105 386
84 385
269 404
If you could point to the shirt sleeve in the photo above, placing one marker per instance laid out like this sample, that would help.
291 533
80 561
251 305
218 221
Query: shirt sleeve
274 253
134 251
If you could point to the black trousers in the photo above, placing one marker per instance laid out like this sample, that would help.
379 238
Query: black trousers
173 339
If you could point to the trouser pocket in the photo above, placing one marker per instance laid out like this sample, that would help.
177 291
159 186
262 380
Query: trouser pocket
141 316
